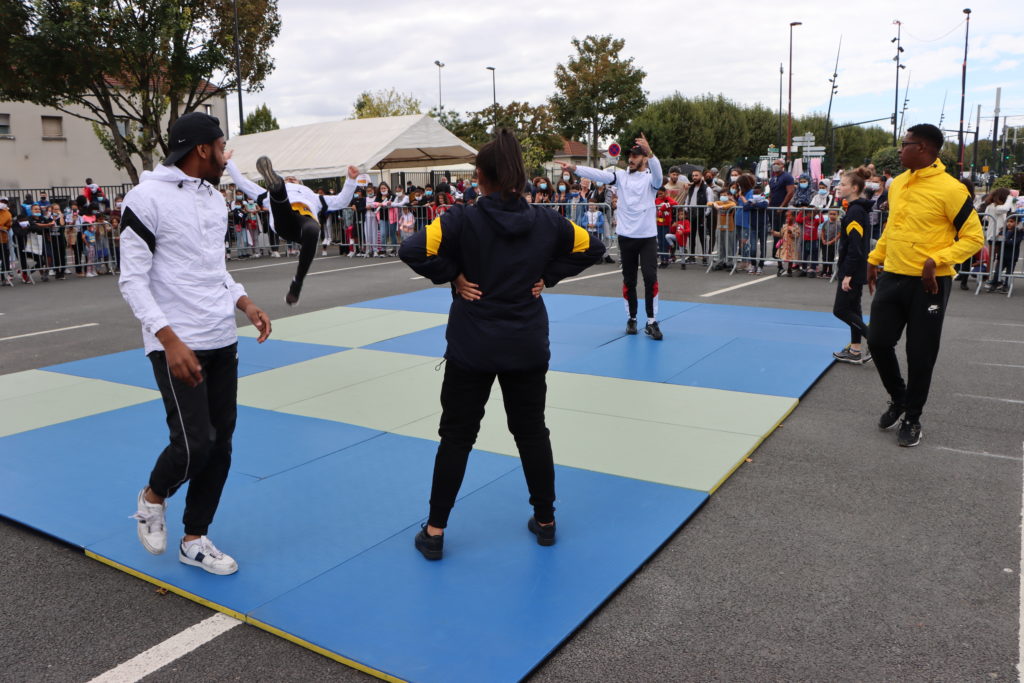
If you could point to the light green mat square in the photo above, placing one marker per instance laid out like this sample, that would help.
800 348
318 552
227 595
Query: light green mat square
727 411
63 401
318 377
383 402
675 455
20 384
304 323
367 327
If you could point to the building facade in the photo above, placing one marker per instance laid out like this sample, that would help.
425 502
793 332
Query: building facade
43 148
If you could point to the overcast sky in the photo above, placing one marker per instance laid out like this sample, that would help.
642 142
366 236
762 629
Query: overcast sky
328 52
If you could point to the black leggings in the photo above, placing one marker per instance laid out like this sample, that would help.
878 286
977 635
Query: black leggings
463 395
847 308
640 252
295 227
900 301
201 420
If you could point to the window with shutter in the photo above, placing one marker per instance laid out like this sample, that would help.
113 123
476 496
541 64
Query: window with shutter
53 127
5 124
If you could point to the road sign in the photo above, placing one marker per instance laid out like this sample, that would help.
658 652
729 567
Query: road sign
984 169
614 150
814 149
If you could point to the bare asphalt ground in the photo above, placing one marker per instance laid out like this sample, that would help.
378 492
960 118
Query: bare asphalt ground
833 555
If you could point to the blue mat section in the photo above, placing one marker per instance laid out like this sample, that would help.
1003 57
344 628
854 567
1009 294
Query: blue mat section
428 342
498 603
431 300
292 527
78 480
134 368
639 358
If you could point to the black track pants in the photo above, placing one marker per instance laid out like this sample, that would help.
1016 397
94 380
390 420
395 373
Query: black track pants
639 252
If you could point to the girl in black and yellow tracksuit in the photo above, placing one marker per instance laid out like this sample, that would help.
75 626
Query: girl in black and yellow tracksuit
851 273
496 253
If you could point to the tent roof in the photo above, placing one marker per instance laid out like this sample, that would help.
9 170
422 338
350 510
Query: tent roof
324 150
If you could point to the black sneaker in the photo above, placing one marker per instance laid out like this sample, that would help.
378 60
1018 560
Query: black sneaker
890 417
273 181
431 547
653 331
292 297
545 534
631 326
909 434
848 355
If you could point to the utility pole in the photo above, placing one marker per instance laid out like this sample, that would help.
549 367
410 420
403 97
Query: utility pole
238 73
896 96
963 92
789 125
780 107
977 128
828 116
997 164
906 101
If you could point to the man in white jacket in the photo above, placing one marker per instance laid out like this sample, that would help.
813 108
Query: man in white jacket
293 211
174 278
637 229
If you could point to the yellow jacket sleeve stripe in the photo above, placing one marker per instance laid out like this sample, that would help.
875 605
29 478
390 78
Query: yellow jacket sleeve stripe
581 239
434 237
854 225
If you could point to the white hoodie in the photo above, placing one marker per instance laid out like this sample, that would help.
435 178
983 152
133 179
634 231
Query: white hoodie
172 260
636 212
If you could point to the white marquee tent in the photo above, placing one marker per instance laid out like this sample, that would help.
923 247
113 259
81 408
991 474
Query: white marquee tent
324 150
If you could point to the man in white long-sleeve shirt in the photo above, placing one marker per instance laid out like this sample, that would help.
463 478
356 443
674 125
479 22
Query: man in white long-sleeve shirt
293 211
174 278
637 228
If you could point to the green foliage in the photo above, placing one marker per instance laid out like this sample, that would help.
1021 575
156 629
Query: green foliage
534 126
140 61
260 120
1014 181
597 91
390 102
887 159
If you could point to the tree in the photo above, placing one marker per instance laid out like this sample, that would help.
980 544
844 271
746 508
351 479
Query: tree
131 67
534 127
373 104
598 91
260 120
887 159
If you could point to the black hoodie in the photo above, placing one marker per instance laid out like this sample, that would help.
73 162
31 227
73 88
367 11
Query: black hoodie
855 242
504 247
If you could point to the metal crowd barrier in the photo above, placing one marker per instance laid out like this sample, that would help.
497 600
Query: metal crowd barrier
83 250
995 268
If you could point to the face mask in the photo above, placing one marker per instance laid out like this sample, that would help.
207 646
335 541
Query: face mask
734 177
399 192
804 186
565 177
543 186
474 184
600 184
429 193
238 196
561 188
871 186
383 193
369 194
823 192
732 190
777 169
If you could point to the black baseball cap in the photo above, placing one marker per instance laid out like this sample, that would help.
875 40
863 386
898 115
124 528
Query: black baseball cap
637 149
191 129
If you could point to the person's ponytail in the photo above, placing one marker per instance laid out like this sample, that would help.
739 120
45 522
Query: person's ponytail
500 161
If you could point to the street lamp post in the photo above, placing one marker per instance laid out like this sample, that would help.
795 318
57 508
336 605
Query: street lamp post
896 97
834 88
789 125
440 65
779 145
963 92
494 98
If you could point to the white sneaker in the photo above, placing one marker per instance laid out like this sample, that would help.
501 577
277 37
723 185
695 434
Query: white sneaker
151 528
204 554
275 254
323 252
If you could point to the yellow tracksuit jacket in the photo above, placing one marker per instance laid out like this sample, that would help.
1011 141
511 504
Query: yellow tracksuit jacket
931 215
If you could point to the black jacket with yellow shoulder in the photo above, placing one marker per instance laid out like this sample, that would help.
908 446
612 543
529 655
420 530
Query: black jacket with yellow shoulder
504 247
854 242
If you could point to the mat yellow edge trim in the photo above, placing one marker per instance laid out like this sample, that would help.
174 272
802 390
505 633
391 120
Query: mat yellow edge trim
244 618
757 445
322 651
170 587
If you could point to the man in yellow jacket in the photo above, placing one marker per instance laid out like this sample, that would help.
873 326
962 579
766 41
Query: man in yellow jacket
932 226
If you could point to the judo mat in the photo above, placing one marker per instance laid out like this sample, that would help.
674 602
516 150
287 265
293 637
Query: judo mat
333 454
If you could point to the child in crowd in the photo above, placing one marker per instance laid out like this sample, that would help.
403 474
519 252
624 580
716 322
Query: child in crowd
725 207
809 245
785 244
664 205
1013 235
678 237
89 234
593 220
828 234
406 223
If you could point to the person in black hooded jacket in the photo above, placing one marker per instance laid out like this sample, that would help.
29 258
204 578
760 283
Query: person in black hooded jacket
498 255
852 264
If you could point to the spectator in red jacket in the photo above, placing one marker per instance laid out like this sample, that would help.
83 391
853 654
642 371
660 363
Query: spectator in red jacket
664 219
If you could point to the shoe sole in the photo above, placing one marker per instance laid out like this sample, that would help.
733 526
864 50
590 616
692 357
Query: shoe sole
142 539
431 555
851 361
211 570
911 445
885 429
658 338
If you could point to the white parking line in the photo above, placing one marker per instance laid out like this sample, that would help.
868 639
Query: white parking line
997 365
992 398
1005 341
368 265
742 284
587 277
173 648
280 263
983 453
59 329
